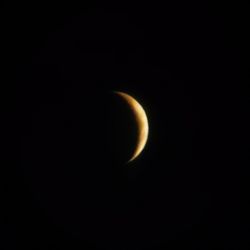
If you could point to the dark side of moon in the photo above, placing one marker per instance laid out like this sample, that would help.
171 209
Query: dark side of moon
73 133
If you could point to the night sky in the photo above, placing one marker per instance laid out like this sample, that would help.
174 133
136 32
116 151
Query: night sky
66 184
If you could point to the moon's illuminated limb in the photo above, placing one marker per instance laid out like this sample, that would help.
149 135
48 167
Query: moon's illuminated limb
141 120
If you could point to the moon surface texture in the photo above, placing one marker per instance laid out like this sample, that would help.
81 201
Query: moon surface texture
141 122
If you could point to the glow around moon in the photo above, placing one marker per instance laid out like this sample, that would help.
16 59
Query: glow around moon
141 121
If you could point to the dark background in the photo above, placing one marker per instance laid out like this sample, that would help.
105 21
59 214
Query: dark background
63 188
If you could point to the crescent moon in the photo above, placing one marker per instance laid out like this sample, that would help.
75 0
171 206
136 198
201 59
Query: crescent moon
141 121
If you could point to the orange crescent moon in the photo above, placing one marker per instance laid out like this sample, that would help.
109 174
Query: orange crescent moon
141 121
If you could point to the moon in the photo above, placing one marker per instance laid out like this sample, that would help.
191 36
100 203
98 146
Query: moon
141 123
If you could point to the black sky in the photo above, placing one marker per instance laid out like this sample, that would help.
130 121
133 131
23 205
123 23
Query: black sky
62 189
